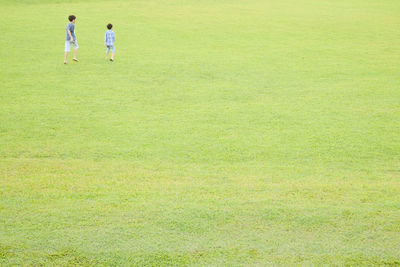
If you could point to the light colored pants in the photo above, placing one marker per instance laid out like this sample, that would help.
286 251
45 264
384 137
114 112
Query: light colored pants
68 45
112 47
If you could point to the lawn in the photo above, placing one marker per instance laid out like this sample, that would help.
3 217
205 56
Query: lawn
226 133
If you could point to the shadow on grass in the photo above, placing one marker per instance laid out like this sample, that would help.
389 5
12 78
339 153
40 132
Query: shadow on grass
5 252
70 257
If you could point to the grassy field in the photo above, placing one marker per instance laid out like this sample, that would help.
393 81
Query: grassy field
226 133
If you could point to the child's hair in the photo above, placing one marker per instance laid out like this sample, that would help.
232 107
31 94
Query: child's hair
109 26
71 17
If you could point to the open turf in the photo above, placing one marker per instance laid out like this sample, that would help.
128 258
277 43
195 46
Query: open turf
240 132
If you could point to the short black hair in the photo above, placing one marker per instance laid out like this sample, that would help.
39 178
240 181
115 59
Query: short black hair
109 26
71 17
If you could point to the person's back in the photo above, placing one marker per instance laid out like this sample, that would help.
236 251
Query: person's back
109 40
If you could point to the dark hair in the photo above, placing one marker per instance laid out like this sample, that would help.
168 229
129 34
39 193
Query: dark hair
109 26
71 18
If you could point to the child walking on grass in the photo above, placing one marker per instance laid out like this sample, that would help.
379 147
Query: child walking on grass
71 39
109 39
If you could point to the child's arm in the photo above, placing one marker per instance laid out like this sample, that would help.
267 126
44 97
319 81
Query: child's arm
69 32
105 39
70 35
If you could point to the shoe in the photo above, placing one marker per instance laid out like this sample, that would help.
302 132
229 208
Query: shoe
111 59
74 59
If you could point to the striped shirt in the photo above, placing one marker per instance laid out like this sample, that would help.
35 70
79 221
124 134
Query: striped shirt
109 38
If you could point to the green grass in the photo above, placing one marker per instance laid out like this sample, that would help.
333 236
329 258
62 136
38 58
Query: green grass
226 133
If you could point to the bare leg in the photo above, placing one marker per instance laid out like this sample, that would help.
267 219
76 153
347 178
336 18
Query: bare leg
112 56
106 55
75 51
65 57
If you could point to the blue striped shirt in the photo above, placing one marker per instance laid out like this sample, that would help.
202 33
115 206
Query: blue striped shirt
109 37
